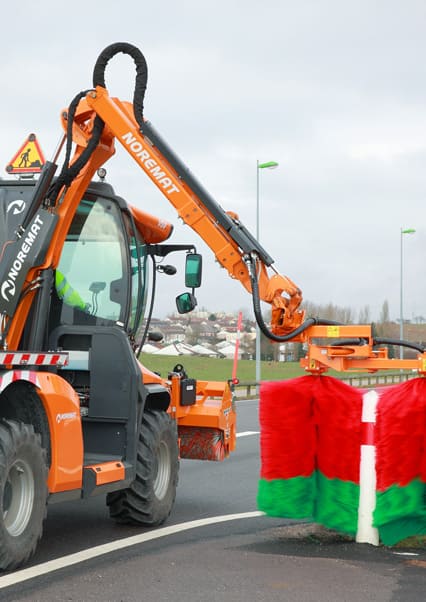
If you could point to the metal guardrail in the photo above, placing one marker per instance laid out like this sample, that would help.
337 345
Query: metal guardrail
387 378
248 389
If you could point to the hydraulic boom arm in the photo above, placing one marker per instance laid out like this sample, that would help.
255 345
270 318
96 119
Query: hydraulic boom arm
95 120
232 244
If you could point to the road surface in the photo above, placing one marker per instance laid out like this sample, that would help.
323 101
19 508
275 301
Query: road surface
216 546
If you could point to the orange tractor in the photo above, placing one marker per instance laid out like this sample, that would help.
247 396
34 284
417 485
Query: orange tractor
79 415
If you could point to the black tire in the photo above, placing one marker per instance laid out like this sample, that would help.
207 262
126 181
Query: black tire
150 498
23 492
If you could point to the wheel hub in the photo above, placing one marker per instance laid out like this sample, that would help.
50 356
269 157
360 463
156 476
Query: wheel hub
18 498
162 478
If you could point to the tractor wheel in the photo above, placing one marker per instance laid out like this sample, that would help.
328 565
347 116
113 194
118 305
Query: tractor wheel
149 499
23 492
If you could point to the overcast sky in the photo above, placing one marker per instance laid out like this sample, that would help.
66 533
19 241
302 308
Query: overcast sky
334 91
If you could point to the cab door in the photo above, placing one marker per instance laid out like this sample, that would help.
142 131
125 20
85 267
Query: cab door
95 319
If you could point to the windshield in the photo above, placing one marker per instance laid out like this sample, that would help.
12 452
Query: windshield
92 275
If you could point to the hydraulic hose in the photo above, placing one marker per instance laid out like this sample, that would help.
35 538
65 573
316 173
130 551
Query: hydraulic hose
141 73
379 341
399 343
311 321
349 342
69 173
251 261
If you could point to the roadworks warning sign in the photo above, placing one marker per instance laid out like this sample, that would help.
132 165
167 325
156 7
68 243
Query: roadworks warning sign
28 159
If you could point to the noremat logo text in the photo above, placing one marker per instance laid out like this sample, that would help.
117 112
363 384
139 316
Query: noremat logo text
149 163
66 416
8 288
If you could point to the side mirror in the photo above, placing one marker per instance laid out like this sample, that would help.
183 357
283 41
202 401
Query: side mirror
155 336
193 270
185 303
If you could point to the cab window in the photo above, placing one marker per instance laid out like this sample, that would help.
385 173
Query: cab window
139 277
93 265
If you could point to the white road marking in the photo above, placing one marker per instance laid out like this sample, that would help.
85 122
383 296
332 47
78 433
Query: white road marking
71 559
247 433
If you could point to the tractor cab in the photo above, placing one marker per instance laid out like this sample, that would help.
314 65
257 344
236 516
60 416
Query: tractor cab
92 306
102 275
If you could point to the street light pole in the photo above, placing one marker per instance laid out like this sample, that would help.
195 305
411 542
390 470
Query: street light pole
401 296
267 165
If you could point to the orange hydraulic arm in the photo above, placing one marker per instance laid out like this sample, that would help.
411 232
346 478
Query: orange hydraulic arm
222 232
232 244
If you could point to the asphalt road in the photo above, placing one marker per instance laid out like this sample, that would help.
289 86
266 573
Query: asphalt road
241 556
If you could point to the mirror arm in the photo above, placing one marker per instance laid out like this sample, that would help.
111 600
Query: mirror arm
163 250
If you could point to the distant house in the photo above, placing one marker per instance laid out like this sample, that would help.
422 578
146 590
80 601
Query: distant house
148 348
228 349
200 350
197 333
175 349
172 331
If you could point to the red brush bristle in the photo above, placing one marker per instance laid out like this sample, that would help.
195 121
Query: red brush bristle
201 443
401 434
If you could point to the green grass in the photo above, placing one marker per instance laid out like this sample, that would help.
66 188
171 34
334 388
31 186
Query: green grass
207 368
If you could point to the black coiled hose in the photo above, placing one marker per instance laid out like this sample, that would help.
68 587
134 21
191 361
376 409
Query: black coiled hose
259 318
141 73
69 173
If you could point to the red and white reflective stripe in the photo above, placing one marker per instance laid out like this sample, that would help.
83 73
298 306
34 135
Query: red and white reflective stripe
14 358
10 376
366 533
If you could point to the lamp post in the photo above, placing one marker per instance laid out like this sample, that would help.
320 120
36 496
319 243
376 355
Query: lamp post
401 297
259 166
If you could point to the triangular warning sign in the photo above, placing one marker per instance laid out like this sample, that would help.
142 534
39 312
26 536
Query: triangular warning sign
28 159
